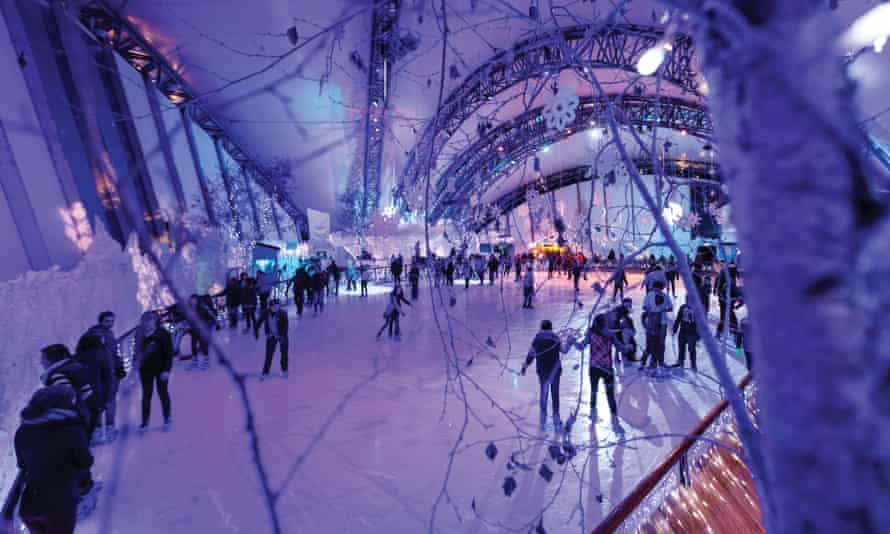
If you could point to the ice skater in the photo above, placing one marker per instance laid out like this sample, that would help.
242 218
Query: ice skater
545 350
274 320
688 338
600 340
393 311
656 306
154 360
528 288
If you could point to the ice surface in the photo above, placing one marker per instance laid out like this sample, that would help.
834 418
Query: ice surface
365 420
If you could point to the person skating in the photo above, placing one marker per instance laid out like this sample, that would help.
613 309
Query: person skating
248 303
202 309
622 323
395 267
93 355
53 453
620 279
154 359
232 293
656 306
528 288
103 329
414 280
365 274
335 274
351 275
264 283
517 267
275 322
319 281
672 273
393 312
688 338
492 269
545 350
600 340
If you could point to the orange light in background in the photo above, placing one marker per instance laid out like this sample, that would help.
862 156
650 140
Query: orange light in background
77 226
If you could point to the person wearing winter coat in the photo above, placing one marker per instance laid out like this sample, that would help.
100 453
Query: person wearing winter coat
688 338
274 320
365 273
52 451
60 368
528 288
103 329
600 339
154 360
545 350
319 282
300 284
233 300
414 280
351 275
335 274
265 282
91 352
393 311
656 306
248 303
493 265
203 310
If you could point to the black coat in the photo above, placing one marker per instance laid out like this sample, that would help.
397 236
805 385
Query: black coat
545 351
155 352
100 369
281 320
233 294
52 451
110 342
73 373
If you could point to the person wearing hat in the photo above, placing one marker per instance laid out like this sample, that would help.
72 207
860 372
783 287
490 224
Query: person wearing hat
53 453
274 319
154 360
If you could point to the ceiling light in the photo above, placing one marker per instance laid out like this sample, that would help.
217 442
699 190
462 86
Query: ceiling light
871 26
651 60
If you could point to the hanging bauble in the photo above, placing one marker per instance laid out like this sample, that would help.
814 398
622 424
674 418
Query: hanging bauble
559 112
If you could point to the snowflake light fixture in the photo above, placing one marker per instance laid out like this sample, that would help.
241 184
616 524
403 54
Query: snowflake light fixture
559 112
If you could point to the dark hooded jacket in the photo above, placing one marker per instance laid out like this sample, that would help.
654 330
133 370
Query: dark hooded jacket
69 372
52 450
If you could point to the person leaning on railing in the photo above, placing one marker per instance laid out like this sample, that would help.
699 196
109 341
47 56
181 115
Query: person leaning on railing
52 451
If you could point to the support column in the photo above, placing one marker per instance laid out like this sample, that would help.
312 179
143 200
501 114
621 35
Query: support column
258 230
36 91
83 103
199 169
227 182
23 214
164 142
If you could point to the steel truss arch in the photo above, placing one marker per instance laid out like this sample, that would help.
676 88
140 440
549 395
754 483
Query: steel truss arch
105 25
490 157
617 46
700 171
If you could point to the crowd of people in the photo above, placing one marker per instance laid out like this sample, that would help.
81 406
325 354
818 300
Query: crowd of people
610 339
76 406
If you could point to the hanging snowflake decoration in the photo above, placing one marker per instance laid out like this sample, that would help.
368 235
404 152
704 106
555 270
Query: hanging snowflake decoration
559 112
689 221
531 195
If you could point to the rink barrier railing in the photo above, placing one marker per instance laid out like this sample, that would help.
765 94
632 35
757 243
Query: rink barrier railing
635 509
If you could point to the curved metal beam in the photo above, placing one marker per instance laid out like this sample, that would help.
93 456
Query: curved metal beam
105 25
491 156
617 46
698 170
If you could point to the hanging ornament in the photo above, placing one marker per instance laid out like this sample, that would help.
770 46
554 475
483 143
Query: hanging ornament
559 112
531 195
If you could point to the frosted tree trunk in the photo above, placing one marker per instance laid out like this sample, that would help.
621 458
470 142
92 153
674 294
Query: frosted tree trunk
814 243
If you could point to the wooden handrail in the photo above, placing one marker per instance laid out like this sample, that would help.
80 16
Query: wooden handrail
627 505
